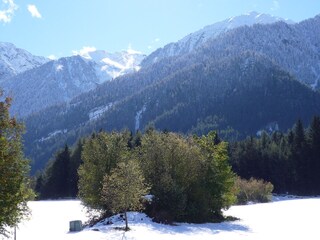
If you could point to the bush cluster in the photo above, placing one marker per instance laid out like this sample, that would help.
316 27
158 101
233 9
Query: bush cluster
189 177
253 190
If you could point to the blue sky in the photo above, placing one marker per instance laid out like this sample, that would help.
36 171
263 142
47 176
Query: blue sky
59 27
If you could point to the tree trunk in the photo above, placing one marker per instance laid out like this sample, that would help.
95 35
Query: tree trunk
126 217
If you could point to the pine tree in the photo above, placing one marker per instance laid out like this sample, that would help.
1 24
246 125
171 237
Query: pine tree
56 183
299 158
14 169
313 138
75 162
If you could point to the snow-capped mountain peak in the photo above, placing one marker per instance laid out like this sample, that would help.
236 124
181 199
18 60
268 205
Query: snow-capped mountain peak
112 65
252 18
218 28
196 39
14 60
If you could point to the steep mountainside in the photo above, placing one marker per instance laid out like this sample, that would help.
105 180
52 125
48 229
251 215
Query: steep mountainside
287 45
197 39
14 60
295 47
52 83
61 80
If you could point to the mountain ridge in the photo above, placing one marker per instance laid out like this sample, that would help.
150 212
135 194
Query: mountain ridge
198 38
15 60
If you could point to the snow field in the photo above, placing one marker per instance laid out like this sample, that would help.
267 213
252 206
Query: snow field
284 218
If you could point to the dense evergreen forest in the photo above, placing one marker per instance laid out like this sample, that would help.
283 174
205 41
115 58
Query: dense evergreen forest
290 161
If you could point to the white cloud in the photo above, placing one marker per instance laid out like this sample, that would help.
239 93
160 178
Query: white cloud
132 51
275 5
34 11
7 13
84 52
153 43
52 57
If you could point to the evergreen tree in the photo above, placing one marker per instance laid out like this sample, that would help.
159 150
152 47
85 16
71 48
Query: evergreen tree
57 175
300 161
14 169
75 162
313 138
290 161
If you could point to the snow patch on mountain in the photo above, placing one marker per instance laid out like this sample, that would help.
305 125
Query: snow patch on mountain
97 112
138 117
269 128
52 134
59 67
316 80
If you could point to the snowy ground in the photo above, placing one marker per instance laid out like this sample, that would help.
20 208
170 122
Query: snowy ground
284 218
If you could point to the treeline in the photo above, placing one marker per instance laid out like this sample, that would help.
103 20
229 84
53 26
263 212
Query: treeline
290 161
188 178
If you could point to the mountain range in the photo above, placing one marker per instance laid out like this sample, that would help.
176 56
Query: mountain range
36 83
239 77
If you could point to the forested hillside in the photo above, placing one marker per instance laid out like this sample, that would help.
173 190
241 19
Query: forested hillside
238 96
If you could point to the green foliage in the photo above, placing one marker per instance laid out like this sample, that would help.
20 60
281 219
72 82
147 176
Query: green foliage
14 169
171 165
190 178
219 178
124 187
253 190
101 153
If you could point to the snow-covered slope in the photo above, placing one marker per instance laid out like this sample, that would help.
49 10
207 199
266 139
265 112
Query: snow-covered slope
14 60
112 65
284 218
52 83
196 39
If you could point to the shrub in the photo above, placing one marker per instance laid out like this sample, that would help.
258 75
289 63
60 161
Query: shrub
253 190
